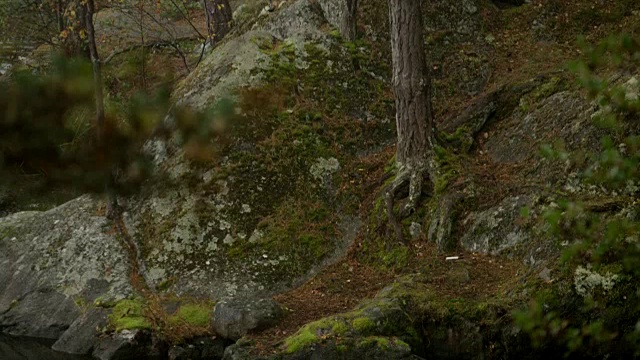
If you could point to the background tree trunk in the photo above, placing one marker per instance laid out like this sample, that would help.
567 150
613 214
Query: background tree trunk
74 22
350 20
60 15
97 70
101 126
341 14
219 17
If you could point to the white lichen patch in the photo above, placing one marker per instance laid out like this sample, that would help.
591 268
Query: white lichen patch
156 275
186 223
158 150
415 230
228 240
256 236
162 206
324 168
496 230
631 90
586 281
224 225
213 244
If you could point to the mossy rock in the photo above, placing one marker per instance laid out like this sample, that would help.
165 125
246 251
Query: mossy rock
389 314
370 347
403 315
276 204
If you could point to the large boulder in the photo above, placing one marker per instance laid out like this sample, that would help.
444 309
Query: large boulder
82 335
199 348
134 344
236 62
207 225
199 233
52 262
234 318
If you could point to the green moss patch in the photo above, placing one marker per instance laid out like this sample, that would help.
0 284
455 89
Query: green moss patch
314 333
193 314
450 169
129 315
383 343
396 258
301 340
550 87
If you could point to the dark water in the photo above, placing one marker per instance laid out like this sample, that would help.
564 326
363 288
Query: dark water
12 348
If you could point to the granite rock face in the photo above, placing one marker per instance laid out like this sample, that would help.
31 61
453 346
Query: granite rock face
234 318
50 259
233 65
496 230
187 229
134 344
82 336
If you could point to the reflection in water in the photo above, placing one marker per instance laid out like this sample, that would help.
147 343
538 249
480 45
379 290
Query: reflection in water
12 348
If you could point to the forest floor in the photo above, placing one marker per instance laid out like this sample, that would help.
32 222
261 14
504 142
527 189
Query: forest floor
339 288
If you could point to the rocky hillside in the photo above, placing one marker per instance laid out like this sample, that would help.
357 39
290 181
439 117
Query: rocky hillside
278 247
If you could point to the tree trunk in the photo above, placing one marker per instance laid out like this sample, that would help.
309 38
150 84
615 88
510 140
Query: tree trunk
414 115
97 71
341 14
101 136
60 15
350 17
219 17
74 23
412 84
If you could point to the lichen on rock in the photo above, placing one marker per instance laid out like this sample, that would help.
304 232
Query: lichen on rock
587 281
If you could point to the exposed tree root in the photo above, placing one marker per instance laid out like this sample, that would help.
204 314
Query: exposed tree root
114 211
414 177
138 271
390 196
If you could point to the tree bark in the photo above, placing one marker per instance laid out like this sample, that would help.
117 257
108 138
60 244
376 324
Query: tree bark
341 14
412 83
219 17
414 116
60 15
97 71
74 22
350 18
100 123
